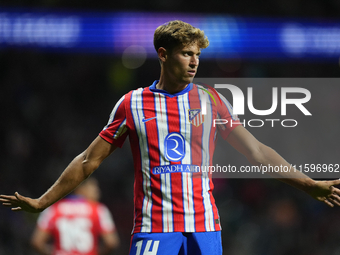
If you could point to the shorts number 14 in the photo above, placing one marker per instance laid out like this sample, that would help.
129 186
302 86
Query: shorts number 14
147 247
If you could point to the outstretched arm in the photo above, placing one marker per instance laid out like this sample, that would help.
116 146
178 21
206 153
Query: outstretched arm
77 171
259 154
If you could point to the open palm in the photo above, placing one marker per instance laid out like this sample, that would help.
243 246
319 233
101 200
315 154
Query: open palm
20 203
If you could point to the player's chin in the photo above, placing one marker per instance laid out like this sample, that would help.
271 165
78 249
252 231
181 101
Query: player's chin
188 79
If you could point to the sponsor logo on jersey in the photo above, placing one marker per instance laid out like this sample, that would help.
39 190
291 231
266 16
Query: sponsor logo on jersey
174 145
180 168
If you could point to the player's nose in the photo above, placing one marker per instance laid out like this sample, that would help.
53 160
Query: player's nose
194 61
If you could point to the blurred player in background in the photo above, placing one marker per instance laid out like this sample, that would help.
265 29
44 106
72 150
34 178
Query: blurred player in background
77 224
175 211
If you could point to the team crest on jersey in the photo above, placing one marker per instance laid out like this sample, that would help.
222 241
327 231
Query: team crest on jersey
196 117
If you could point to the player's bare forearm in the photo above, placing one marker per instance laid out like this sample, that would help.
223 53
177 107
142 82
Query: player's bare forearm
262 155
73 175
77 171
266 156
323 191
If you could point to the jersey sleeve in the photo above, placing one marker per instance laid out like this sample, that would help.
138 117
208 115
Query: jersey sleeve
115 132
45 219
227 121
106 222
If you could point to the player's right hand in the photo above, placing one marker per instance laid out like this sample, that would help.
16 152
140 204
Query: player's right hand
20 203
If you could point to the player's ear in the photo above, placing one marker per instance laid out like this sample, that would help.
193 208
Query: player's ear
162 54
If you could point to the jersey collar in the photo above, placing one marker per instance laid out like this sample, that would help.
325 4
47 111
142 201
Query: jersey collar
166 93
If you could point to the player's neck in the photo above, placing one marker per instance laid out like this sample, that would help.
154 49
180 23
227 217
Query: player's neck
171 87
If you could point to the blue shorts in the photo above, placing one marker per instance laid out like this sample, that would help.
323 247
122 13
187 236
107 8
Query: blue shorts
199 243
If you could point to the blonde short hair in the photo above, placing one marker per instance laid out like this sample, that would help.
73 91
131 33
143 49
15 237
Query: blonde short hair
175 33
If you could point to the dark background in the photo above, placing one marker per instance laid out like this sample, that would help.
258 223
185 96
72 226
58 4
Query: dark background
53 105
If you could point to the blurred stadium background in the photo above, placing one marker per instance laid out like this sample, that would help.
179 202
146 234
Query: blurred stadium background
64 64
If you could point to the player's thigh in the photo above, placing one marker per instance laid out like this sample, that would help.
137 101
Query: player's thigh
156 243
204 243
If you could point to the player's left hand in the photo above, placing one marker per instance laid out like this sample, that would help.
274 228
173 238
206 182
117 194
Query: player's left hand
325 191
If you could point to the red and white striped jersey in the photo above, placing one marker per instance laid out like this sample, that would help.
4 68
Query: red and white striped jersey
171 140
75 225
